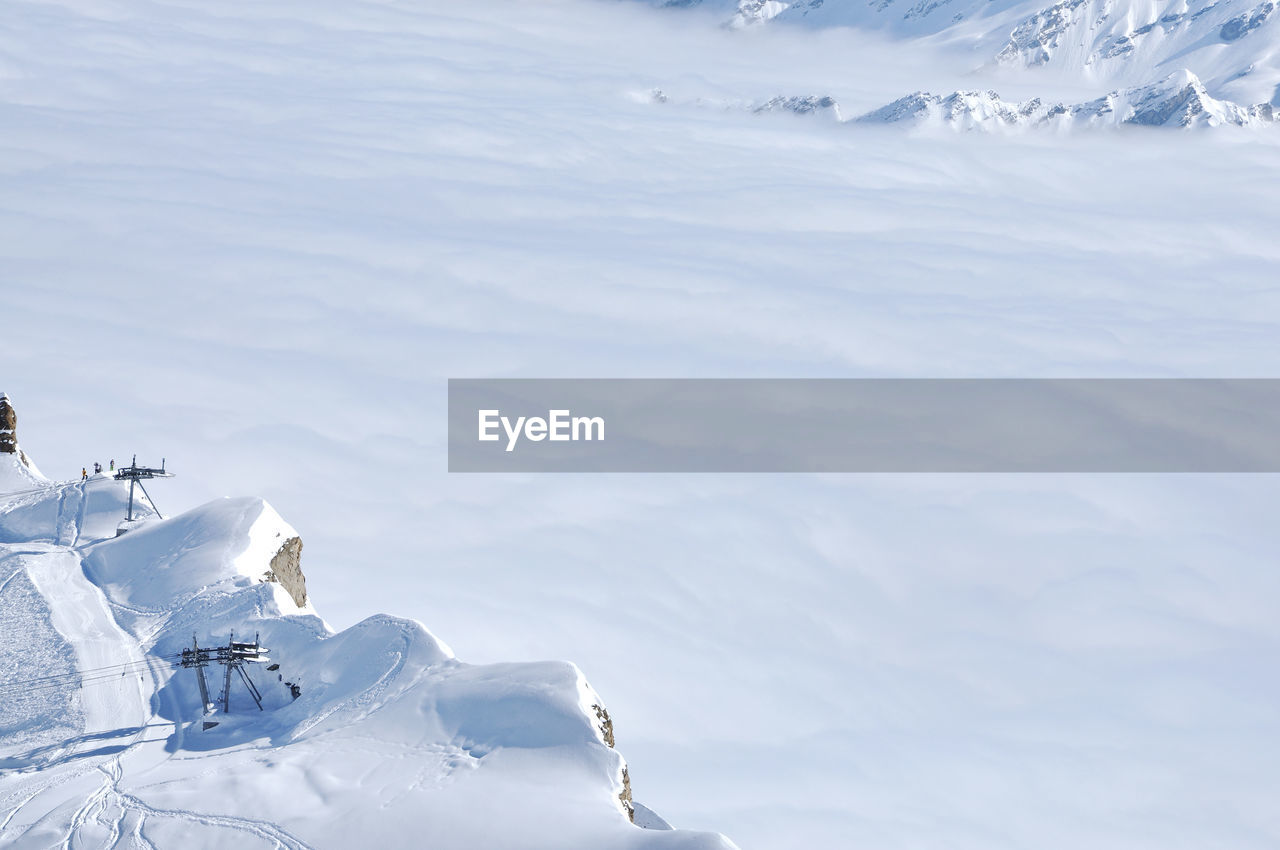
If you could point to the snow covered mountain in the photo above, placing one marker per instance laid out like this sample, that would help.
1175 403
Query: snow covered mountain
1180 100
1229 45
373 736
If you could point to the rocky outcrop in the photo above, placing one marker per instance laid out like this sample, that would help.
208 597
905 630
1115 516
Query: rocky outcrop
8 426
9 432
286 569
1241 25
605 724
624 796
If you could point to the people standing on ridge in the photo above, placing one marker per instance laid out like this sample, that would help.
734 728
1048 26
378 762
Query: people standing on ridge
84 473
113 464
97 468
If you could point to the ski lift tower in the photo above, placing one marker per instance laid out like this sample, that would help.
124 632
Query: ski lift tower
135 475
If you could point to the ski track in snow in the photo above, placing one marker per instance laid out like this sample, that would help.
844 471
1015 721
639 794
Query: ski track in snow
68 528
82 615
261 829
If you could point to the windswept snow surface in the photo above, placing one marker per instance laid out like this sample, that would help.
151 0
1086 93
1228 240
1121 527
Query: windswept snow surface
257 237
392 742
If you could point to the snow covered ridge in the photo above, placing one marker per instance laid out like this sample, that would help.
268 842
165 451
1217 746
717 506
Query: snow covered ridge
373 736
1180 100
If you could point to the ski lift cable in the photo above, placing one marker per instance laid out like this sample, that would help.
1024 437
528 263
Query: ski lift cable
57 677
68 683
92 671
74 683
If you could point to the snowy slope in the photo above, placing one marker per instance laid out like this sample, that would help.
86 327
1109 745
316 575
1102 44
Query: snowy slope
392 742
17 476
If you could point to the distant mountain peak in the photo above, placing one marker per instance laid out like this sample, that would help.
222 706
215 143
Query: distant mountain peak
1179 100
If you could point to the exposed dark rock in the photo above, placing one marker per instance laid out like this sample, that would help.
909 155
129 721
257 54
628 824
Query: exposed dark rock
286 568
606 723
1241 25
9 431
8 426
625 795
1206 10
606 732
